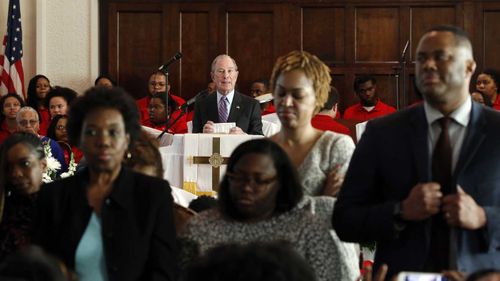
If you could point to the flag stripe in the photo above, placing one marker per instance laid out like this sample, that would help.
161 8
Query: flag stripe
12 73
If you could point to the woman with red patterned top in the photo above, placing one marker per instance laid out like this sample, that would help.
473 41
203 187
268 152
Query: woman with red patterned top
38 88
57 131
9 105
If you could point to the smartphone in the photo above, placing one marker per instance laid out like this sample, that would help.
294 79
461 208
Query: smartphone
420 276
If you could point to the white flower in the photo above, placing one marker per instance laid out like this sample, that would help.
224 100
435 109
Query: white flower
71 169
53 165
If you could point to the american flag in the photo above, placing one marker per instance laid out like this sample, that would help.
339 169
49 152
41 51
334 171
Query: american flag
11 63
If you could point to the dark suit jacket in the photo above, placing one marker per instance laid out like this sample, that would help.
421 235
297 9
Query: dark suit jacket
391 158
245 111
137 224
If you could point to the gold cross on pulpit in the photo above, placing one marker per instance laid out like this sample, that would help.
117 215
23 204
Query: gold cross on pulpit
215 160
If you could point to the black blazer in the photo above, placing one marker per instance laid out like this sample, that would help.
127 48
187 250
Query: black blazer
245 111
391 158
137 224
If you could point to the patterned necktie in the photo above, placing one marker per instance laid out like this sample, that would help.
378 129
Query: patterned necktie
442 252
223 112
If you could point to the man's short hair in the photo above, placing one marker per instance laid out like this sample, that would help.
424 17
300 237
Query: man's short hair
333 99
265 82
363 79
461 37
222 56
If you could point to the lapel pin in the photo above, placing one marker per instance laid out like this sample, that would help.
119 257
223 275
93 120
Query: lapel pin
237 107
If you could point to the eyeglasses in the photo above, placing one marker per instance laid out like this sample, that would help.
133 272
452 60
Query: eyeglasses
222 72
239 180
156 107
61 127
25 123
159 84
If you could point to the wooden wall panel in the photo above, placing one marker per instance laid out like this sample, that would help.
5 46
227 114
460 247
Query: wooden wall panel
323 32
195 41
352 36
386 88
491 53
377 35
250 42
139 49
423 18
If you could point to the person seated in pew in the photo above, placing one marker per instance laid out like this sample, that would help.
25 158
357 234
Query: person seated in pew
258 199
38 88
369 106
488 83
104 81
227 105
157 83
27 121
22 164
325 119
58 101
58 131
9 106
161 117
252 262
259 91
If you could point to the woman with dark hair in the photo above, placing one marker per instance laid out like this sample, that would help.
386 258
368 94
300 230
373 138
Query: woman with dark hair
258 199
104 81
22 163
38 88
58 100
58 131
488 83
10 105
161 117
108 222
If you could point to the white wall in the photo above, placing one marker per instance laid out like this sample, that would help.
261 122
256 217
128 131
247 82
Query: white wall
60 40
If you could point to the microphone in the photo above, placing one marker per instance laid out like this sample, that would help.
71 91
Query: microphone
403 55
193 99
173 59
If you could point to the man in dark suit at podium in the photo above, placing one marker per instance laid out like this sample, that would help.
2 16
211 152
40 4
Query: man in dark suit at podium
424 182
227 105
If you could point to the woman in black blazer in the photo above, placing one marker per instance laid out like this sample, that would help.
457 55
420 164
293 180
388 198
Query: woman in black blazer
108 222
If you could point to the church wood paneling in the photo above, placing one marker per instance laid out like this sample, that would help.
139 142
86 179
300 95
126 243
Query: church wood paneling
491 36
250 39
135 44
376 35
323 33
353 37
